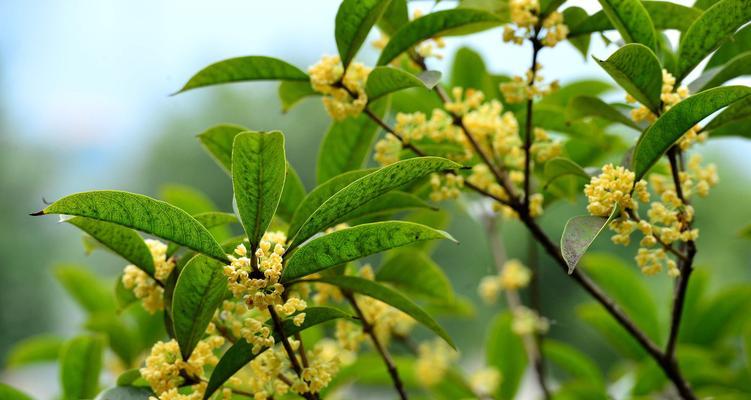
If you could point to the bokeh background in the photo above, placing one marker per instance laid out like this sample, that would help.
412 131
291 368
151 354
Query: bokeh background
84 104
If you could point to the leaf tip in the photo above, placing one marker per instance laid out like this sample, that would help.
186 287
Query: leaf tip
38 213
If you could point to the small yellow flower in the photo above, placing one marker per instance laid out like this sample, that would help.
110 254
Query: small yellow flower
338 86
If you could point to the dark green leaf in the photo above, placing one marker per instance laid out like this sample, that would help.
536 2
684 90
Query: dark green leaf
42 348
385 204
241 69
441 23
739 43
142 213
664 15
586 106
85 288
578 234
367 188
505 351
563 96
347 143
353 243
200 289
708 32
241 352
80 365
733 121
548 6
631 20
416 273
738 66
320 194
394 17
499 8
291 92
558 167
388 296
292 194
126 393
213 219
218 142
123 241
384 80
354 20
636 68
258 173
574 16
673 124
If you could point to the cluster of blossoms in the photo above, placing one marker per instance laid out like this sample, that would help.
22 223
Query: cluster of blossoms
527 322
513 276
340 87
532 85
149 290
525 18
434 358
165 369
485 381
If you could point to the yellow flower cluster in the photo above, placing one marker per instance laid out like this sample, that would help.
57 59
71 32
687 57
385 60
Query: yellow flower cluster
165 368
434 358
526 322
521 89
513 276
241 322
445 187
427 48
145 287
544 148
484 382
339 87
613 187
555 30
525 19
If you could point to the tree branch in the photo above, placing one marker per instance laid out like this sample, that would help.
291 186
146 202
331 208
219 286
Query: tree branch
288 348
536 46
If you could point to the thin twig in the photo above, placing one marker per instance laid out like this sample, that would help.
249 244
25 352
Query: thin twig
666 246
288 348
536 46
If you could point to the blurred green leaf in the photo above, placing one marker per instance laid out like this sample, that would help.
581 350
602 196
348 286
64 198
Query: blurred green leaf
258 174
735 120
367 188
575 363
218 142
574 17
200 289
353 243
126 393
590 106
636 69
189 199
213 219
665 15
709 31
559 166
718 316
121 240
394 17
459 21
562 97
737 66
436 219
674 123
120 338
143 213
505 351
241 69
384 80
354 19
123 297
85 288
416 274
631 20
291 92
739 43
42 348
468 71
80 365
9 393
500 8
599 319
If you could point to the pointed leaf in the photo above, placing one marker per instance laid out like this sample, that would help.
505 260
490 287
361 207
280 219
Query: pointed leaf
218 142
664 15
122 241
631 20
733 121
354 19
736 45
636 68
586 106
141 213
738 66
390 297
440 23
578 235
385 204
505 352
416 273
200 289
367 188
241 69
293 194
574 17
42 348
673 124
558 167
292 92
80 365
384 80
709 31
258 173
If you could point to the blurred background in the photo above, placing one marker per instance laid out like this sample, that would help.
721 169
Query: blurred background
84 104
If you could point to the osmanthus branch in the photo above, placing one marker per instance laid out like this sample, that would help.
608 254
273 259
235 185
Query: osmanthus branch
536 47
666 246
367 327
288 349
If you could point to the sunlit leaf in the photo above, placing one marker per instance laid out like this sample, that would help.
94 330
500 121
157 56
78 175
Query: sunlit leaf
735 120
241 69
637 70
10 393
574 17
384 80
354 20
631 20
80 365
736 45
387 203
395 16
292 92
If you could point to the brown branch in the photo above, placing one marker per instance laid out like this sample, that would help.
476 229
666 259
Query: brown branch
666 246
367 327
288 348
536 46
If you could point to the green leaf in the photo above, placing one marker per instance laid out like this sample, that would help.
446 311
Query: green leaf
733 121
293 194
665 15
627 287
218 142
126 393
548 6
200 289
367 188
80 365
353 21
636 68
42 348
499 8
575 363
241 352
395 16
130 377
385 204
258 173
468 71
739 43
291 92
575 16
141 213
563 96
320 194
673 124
388 296
578 234
631 20
85 288
459 21
718 316
599 319
121 340
189 199
709 31
9 393
586 106
505 352
123 241
212 219
738 66
353 243
415 273
384 80
347 143
558 167
241 69
123 297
